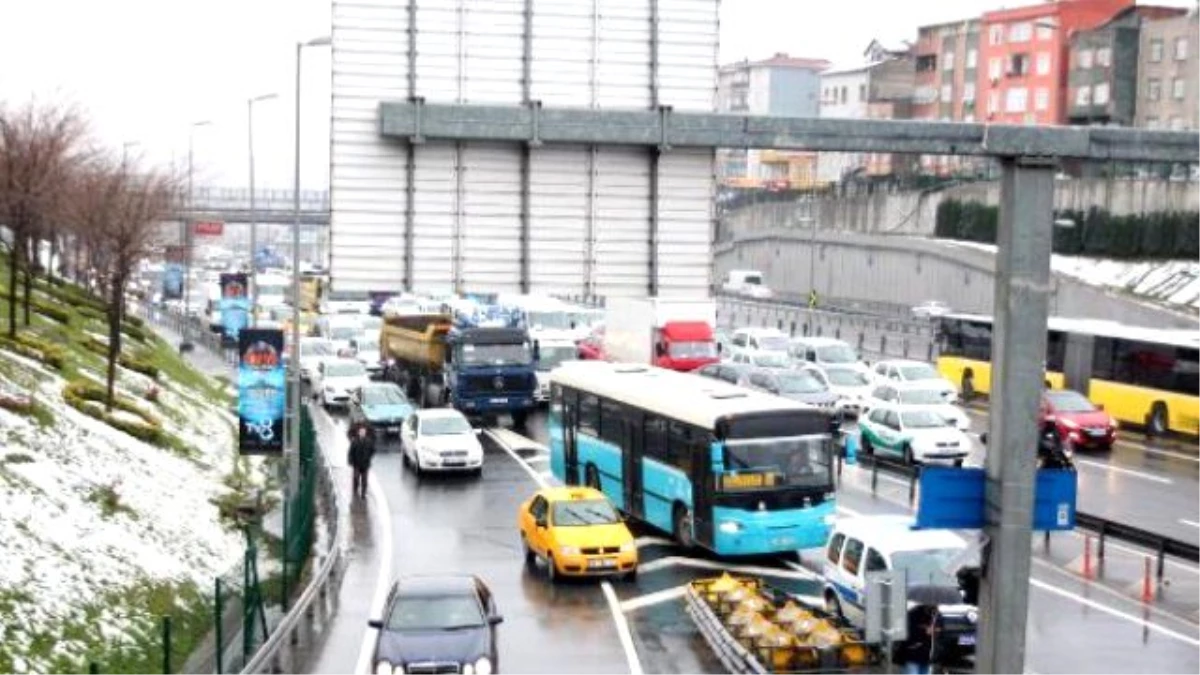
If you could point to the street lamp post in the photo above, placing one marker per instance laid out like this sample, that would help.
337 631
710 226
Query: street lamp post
189 222
253 214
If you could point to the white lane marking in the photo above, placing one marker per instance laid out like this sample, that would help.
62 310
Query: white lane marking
382 585
681 561
1114 612
1136 474
614 605
546 474
537 478
652 541
1189 522
1110 591
538 458
1165 453
653 598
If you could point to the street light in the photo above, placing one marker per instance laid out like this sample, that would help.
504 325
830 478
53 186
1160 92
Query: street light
253 215
185 344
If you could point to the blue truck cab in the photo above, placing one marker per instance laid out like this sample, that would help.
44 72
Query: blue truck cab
491 370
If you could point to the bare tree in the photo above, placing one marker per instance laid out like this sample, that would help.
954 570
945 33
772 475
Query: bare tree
38 146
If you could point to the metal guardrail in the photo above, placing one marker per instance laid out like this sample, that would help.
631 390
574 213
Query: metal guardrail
736 658
325 582
1161 545
875 337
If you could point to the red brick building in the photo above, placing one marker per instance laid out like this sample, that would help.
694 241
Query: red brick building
1023 58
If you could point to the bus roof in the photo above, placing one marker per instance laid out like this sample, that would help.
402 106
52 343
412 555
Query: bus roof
1106 328
685 397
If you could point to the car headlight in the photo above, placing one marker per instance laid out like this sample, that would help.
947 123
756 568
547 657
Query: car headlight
483 666
730 527
568 550
628 547
383 668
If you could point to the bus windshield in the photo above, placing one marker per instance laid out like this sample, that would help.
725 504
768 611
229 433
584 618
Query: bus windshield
798 461
496 355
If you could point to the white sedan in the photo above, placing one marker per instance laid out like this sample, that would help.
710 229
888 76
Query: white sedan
440 439
904 371
922 395
337 379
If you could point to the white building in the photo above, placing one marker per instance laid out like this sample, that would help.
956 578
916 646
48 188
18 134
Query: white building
502 216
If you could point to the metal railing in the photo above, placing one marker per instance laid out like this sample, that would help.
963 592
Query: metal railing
1161 545
874 337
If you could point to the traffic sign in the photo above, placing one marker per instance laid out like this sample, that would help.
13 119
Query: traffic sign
954 499
209 228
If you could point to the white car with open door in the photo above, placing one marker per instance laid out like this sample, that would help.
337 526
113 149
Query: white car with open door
440 439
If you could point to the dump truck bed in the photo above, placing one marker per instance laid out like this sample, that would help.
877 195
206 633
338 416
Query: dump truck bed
415 339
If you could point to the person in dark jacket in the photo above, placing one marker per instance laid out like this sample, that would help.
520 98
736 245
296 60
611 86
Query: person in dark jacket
362 449
916 653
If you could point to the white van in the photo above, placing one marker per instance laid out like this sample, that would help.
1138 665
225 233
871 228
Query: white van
756 341
827 351
930 559
746 282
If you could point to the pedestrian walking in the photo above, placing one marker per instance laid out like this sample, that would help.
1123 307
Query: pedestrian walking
362 450
916 653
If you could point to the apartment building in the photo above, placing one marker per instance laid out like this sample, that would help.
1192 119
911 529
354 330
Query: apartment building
781 85
1168 70
1023 52
880 88
946 63
1102 85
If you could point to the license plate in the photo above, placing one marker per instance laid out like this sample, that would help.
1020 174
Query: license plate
602 564
499 400
393 430
966 640
454 464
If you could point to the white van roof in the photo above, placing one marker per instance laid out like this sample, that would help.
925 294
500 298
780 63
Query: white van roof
892 534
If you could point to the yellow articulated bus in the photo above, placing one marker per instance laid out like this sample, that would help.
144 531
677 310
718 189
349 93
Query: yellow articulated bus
1142 376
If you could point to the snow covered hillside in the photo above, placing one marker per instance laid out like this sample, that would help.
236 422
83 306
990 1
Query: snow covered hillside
93 521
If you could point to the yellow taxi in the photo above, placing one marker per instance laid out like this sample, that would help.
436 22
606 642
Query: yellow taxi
577 532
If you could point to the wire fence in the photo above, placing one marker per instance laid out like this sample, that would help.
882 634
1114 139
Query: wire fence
221 628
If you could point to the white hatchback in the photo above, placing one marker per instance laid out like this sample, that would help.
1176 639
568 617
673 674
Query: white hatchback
907 372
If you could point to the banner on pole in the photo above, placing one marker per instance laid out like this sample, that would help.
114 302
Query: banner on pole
235 305
262 391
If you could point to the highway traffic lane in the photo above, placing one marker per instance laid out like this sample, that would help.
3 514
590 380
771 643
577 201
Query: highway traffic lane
463 524
1074 625
1151 491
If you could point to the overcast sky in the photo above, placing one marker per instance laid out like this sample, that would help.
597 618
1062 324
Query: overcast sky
147 69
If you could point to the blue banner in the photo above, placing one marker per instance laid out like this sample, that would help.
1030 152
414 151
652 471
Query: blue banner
234 305
172 281
262 391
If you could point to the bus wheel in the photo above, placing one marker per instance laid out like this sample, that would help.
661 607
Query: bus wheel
683 526
591 477
968 387
1157 421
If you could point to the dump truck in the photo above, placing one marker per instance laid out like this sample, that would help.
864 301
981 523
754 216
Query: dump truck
480 371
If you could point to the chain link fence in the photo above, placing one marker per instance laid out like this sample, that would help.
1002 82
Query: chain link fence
224 627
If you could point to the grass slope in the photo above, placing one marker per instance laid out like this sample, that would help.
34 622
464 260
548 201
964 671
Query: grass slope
107 534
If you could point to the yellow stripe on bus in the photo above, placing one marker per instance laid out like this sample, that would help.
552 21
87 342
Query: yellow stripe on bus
1132 404
953 367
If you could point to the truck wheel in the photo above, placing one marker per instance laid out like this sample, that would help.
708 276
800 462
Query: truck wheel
519 418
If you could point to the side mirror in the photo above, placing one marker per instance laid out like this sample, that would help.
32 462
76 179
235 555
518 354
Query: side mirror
495 619
377 624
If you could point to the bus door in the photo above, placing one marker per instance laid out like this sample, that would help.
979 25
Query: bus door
703 489
570 419
632 448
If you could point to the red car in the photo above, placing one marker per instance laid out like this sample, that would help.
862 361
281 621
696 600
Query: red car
591 348
1080 424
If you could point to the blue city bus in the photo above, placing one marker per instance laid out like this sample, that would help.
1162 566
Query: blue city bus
731 470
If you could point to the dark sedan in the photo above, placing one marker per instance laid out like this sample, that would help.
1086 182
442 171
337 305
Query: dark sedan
438 624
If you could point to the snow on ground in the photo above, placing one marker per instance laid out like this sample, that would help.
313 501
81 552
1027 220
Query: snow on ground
66 545
1174 283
